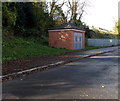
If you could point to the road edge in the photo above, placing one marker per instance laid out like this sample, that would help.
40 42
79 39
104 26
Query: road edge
45 67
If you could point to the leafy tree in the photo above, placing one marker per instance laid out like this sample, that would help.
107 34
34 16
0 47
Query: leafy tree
26 18
117 27
35 18
9 14
9 17
42 19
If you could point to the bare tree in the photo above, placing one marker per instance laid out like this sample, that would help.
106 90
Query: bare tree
56 9
76 9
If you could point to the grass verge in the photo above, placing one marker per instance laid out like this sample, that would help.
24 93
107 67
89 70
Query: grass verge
21 48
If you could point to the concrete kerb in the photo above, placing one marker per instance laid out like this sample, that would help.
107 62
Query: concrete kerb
37 69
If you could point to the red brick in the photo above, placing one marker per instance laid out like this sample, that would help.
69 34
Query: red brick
63 38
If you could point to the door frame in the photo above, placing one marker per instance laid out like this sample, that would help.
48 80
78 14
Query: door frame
77 37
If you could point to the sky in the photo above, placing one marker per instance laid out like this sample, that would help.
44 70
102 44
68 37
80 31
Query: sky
102 13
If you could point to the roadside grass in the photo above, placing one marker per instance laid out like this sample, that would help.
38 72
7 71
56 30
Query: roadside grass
21 48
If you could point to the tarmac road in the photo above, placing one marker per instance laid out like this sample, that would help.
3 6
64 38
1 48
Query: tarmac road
91 78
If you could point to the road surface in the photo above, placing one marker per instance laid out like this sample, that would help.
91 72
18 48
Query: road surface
91 78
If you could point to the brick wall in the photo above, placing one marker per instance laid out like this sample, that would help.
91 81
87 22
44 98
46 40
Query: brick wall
63 38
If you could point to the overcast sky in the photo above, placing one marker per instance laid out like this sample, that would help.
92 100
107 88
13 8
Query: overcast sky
102 13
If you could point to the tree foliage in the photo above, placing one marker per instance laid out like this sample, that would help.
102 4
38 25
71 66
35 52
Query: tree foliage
26 18
116 28
96 33
9 14
33 19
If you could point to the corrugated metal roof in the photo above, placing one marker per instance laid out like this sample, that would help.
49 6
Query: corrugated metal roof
66 26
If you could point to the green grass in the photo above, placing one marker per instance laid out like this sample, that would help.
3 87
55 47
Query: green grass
20 48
